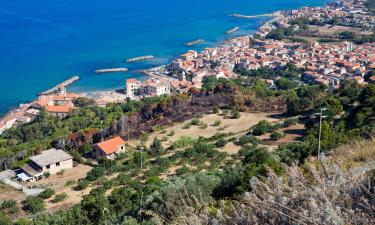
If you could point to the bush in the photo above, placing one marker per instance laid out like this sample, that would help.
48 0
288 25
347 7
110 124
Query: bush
235 114
217 123
186 126
47 193
34 204
183 141
82 185
182 170
261 128
246 139
171 133
203 126
95 173
275 136
60 197
195 122
220 143
290 122
215 110
8 204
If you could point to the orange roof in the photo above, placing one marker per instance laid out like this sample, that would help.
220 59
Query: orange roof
58 108
111 146
131 80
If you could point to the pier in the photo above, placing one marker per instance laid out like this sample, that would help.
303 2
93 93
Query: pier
253 16
111 70
232 30
140 58
60 86
195 42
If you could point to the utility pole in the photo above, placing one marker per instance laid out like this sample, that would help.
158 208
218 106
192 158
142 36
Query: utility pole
141 206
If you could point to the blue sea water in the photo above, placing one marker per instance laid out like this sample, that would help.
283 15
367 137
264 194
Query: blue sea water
44 42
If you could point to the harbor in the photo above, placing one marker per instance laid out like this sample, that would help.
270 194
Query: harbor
60 86
111 70
140 58
232 30
195 42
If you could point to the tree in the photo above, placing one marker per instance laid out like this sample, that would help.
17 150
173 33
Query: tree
95 173
156 147
47 193
34 204
261 128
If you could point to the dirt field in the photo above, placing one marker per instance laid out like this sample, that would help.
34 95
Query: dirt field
8 193
227 125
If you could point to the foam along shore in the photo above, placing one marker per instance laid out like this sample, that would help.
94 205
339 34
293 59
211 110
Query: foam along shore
60 86
111 70
232 30
140 58
255 16
195 42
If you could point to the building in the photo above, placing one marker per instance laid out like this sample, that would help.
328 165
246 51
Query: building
57 105
51 161
159 88
132 86
109 149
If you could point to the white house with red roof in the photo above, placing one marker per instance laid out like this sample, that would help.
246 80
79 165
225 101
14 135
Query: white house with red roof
109 149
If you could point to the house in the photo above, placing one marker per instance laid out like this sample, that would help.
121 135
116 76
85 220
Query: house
51 161
109 149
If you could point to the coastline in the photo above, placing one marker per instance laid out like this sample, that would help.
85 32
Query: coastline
274 16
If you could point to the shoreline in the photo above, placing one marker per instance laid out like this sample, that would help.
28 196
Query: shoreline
147 72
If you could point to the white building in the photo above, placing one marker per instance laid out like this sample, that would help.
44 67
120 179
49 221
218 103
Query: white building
51 161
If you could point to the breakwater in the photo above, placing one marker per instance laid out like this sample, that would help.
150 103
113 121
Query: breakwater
60 86
232 30
111 70
140 58
195 42
253 16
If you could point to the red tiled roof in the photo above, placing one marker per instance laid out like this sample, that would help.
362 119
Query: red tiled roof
58 108
111 146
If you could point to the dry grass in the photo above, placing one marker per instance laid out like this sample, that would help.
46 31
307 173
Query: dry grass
227 125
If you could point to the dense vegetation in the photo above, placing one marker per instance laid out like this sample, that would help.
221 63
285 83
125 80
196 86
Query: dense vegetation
205 176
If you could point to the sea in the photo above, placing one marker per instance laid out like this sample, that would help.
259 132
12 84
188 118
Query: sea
42 43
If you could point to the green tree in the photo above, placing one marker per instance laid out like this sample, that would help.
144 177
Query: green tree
34 204
156 147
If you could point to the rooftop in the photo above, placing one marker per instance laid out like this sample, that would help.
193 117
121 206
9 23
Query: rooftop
111 146
50 156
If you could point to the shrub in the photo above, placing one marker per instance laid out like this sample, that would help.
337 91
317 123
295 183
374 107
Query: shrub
8 204
261 128
183 141
95 173
34 204
275 136
144 137
47 193
203 126
217 123
82 185
171 133
220 143
186 126
182 170
246 139
215 109
290 122
60 197
235 114
195 122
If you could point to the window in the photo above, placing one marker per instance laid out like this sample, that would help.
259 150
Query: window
48 166
122 147
58 164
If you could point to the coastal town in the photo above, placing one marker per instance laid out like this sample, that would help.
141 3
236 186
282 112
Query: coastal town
325 63
101 143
